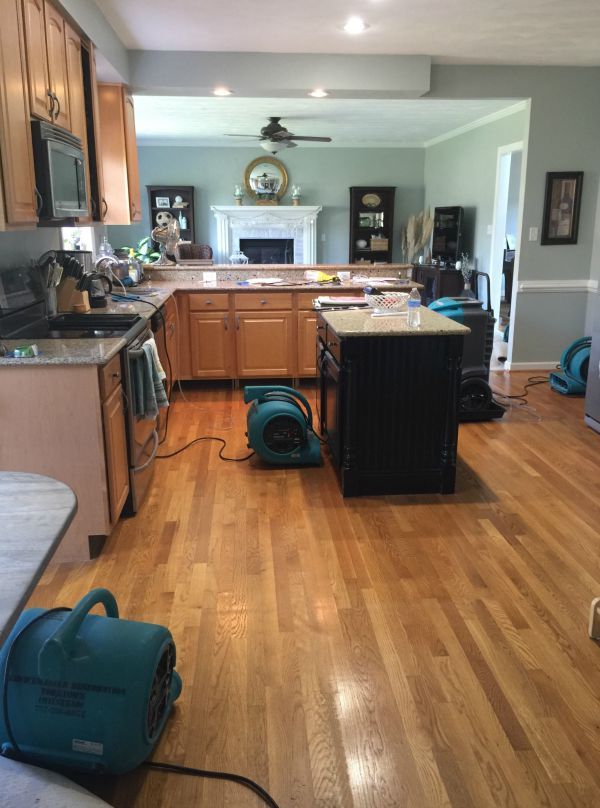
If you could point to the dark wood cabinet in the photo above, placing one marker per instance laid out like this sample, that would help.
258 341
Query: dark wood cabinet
437 282
371 224
389 410
446 242
185 214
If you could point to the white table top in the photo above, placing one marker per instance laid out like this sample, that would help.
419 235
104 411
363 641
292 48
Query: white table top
35 512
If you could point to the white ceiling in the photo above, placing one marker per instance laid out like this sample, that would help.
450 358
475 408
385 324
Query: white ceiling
542 32
350 122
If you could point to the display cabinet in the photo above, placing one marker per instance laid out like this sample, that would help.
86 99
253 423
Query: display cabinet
371 224
164 198
446 244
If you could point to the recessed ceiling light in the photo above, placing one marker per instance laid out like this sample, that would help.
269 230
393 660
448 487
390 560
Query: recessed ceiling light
355 25
318 93
222 91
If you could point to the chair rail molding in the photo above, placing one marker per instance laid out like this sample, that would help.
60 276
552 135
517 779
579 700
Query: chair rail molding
255 221
575 285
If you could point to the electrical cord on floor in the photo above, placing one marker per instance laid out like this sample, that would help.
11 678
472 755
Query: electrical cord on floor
532 381
207 437
214 775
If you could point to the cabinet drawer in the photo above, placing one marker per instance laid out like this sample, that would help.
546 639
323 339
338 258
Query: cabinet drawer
208 302
110 376
259 301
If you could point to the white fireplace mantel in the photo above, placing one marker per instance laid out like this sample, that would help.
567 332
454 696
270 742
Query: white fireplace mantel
258 221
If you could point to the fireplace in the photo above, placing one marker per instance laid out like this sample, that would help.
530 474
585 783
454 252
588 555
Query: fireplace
295 223
268 250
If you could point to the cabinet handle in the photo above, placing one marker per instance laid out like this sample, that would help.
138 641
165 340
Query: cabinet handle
105 203
94 207
320 328
332 344
263 302
226 322
208 302
133 209
237 321
116 375
50 95
171 328
57 113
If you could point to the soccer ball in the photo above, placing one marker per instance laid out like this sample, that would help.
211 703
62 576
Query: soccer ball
163 218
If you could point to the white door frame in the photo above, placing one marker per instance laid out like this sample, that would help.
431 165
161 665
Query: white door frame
499 221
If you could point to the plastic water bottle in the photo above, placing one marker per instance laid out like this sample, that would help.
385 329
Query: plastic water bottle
105 248
414 309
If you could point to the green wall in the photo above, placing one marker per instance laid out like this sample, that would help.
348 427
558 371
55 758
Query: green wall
323 174
462 171
27 245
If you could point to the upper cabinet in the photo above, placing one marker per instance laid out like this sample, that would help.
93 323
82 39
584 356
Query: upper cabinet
17 178
118 156
76 94
47 62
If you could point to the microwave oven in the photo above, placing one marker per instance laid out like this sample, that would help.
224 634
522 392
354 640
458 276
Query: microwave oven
59 172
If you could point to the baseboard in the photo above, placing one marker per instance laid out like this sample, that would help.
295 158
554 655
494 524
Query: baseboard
531 365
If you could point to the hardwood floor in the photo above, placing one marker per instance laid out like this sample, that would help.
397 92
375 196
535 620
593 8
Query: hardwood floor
381 651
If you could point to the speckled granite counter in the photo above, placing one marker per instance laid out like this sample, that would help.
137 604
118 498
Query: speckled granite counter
35 512
361 323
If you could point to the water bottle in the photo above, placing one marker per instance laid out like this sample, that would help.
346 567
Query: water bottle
414 309
105 248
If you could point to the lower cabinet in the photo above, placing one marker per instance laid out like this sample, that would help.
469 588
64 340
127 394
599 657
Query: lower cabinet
117 471
211 346
307 351
264 344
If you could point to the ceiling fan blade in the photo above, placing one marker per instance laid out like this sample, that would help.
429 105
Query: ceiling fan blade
308 137
231 134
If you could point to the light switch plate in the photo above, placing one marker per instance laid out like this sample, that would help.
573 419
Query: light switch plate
490 229
533 234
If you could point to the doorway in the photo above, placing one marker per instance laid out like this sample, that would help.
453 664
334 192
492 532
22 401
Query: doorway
506 230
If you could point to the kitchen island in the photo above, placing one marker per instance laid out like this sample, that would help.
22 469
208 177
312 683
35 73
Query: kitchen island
389 400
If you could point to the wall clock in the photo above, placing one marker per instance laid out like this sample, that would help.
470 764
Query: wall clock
371 200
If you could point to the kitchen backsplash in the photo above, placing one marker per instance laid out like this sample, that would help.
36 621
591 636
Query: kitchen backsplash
27 245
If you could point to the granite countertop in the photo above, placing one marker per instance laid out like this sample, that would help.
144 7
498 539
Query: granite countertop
35 512
161 284
361 323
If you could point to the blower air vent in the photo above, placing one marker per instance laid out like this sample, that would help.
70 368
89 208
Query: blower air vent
283 434
160 701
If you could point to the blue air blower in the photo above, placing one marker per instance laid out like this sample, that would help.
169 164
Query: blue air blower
574 364
84 691
280 426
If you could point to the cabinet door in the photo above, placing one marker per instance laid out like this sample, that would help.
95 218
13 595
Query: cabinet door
77 100
264 344
211 346
117 468
18 178
115 201
37 59
133 174
307 343
57 66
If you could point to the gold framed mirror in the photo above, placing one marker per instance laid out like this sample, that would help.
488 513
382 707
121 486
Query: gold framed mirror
265 176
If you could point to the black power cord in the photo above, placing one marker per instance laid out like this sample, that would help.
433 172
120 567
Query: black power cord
234 778
169 767
532 381
207 437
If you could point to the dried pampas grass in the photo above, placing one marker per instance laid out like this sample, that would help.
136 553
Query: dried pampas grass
416 234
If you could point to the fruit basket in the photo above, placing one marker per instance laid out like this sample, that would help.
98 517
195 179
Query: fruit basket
387 301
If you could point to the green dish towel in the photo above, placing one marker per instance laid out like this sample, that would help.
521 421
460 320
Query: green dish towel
150 395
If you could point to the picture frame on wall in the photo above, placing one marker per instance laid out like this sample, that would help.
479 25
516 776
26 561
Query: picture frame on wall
562 203
163 202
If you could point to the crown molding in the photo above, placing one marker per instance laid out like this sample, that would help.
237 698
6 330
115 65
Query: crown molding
468 127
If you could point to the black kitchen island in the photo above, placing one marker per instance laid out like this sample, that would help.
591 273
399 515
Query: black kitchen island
389 400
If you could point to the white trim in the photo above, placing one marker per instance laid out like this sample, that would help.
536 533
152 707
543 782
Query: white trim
576 285
300 220
532 365
208 143
468 127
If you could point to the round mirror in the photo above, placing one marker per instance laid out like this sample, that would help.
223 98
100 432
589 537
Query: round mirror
264 177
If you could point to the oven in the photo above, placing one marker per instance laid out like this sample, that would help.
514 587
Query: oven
330 400
142 433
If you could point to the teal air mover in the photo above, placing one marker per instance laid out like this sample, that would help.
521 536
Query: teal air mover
85 691
574 363
280 426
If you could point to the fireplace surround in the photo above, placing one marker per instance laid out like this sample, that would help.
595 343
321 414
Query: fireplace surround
273 222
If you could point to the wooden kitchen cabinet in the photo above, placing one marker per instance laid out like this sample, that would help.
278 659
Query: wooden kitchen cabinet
211 345
264 344
307 337
167 342
118 155
77 102
41 102
57 66
17 196
117 470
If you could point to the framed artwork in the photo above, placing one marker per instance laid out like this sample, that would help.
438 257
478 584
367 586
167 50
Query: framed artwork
163 202
561 207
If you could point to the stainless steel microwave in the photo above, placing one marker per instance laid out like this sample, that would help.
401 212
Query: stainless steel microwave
59 172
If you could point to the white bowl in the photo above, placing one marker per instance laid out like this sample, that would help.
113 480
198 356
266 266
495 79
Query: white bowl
387 301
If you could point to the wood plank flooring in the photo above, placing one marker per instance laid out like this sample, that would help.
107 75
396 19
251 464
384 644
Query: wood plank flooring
420 651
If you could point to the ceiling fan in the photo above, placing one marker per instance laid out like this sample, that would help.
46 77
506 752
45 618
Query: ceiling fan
274 137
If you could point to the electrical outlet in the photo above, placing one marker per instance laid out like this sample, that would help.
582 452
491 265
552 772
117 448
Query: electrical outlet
490 229
533 234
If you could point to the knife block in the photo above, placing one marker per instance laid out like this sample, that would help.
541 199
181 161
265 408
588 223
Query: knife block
68 297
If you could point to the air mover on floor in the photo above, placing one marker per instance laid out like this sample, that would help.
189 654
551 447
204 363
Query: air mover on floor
574 362
85 691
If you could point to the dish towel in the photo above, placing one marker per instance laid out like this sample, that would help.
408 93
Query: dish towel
148 387
157 364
